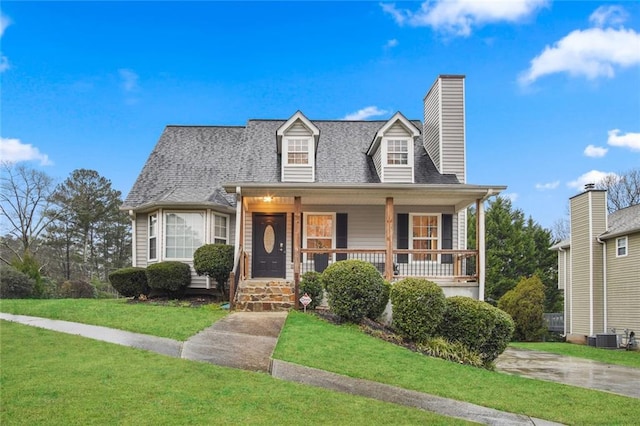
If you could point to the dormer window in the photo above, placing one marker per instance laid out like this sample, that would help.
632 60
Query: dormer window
297 151
297 142
397 152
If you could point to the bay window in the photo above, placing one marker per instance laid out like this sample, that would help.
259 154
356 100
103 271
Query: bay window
220 229
153 236
184 233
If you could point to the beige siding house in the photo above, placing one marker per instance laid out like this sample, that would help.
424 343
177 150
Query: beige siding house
294 195
599 268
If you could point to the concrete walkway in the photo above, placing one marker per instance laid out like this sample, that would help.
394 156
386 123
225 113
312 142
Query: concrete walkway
246 340
571 371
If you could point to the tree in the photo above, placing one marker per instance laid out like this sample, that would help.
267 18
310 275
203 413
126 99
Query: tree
90 232
24 201
515 248
622 190
525 304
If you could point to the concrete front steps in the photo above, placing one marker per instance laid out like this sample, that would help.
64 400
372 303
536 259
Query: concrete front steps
265 295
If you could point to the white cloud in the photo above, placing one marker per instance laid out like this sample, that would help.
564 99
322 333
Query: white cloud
592 53
595 151
4 23
628 140
391 43
365 113
4 63
129 80
594 176
547 186
14 151
511 196
608 15
459 16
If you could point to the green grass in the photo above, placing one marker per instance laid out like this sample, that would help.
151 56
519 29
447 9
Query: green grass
310 341
50 378
618 356
174 322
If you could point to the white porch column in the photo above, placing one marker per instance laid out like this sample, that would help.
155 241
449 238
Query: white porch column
480 238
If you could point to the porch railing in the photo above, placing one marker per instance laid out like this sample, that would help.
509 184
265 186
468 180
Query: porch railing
237 273
457 265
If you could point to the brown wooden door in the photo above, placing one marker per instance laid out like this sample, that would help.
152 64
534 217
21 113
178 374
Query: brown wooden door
269 245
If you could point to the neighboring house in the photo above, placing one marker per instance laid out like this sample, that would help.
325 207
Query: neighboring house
599 268
293 195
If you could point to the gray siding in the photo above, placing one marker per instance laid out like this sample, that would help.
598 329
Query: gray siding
431 125
599 226
299 173
398 174
580 265
377 161
141 240
623 285
453 127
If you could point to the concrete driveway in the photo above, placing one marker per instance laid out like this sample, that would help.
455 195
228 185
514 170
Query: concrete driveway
571 371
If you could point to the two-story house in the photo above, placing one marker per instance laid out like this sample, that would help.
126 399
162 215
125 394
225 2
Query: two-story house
295 194
599 268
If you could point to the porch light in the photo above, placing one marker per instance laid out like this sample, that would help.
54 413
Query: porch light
267 199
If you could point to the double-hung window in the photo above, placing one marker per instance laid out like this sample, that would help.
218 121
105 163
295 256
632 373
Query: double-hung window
184 233
153 236
424 234
319 231
397 152
298 151
220 229
621 246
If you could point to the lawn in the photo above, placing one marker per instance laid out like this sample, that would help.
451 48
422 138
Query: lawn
617 356
309 341
50 378
175 322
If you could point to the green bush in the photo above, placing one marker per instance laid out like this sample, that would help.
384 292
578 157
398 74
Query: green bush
15 284
525 304
171 277
382 300
76 290
30 267
418 307
130 282
481 327
354 289
311 283
215 261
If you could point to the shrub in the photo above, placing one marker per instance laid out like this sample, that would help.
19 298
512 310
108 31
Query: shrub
15 284
311 283
215 261
382 301
481 327
29 266
354 289
525 304
440 347
130 282
418 307
76 290
170 276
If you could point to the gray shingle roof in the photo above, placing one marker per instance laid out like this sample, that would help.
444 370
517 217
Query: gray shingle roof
623 221
191 163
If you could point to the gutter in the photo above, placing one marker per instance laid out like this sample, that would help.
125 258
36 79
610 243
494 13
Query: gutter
604 281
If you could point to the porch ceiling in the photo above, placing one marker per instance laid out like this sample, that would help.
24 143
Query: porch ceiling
458 195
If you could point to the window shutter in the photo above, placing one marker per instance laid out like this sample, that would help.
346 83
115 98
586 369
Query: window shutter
447 237
341 234
403 236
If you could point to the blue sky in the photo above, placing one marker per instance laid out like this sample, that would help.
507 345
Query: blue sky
552 88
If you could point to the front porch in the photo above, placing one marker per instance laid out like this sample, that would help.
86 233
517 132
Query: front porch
285 231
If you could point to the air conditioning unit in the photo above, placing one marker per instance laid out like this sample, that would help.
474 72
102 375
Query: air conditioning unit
607 341
591 341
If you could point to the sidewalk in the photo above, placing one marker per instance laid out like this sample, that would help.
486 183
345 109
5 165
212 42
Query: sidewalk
246 340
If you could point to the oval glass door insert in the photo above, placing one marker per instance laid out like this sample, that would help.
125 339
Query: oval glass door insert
269 239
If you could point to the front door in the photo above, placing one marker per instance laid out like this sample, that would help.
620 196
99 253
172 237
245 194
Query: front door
269 245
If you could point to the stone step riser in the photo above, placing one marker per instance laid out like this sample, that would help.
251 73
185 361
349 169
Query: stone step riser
264 296
264 306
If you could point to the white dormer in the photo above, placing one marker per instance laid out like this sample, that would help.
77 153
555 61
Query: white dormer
297 141
392 150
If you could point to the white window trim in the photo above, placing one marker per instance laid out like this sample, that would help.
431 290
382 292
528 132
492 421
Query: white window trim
164 233
304 230
385 151
626 246
149 237
311 152
439 245
213 227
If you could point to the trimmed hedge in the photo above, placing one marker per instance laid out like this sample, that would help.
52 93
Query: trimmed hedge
382 300
15 284
311 283
355 289
76 290
418 308
525 304
171 276
481 327
215 261
130 282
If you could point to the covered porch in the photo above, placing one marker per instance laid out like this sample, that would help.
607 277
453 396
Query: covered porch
404 230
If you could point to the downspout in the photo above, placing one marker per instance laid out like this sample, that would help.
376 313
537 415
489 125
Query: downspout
590 265
604 281
566 285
